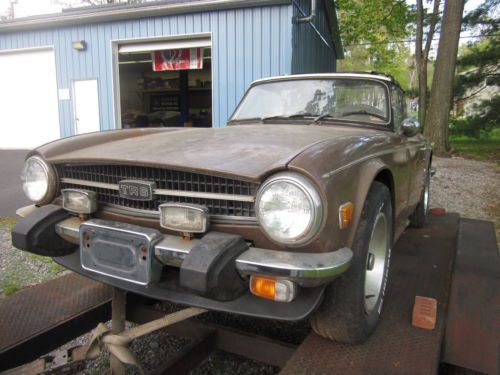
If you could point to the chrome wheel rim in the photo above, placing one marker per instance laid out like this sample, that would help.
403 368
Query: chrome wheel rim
426 195
376 262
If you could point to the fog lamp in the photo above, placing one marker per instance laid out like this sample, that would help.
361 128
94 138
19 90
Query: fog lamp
189 218
273 289
79 201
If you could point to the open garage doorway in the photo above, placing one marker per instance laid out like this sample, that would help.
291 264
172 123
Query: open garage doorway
165 83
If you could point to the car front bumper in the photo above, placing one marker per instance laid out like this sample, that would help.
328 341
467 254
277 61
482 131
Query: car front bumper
311 271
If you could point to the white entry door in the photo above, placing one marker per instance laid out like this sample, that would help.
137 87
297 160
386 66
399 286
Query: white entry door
86 101
29 113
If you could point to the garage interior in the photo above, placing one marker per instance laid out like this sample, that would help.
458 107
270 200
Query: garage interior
177 96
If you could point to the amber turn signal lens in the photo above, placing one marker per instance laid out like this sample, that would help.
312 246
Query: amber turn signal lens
263 287
346 212
273 289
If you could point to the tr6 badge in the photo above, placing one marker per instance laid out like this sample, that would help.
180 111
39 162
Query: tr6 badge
137 190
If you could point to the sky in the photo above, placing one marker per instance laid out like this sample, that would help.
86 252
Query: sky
25 8
469 5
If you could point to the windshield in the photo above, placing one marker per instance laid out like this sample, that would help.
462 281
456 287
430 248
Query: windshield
342 99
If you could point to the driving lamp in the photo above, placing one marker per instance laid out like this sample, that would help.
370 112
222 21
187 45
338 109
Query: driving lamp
289 208
186 218
274 289
38 179
79 201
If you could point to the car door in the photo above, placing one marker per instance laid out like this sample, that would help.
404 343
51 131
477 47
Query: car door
415 148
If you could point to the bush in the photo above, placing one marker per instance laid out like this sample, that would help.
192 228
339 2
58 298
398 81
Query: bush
474 128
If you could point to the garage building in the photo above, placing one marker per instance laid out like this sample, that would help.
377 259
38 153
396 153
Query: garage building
166 63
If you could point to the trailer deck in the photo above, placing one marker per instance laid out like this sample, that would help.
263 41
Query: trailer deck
421 265
37 320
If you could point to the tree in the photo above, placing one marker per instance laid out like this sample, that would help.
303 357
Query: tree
429 21
371 32
442 82
374 21
396 60
479 72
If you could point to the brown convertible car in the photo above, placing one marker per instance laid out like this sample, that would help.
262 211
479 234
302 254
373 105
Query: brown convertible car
289 212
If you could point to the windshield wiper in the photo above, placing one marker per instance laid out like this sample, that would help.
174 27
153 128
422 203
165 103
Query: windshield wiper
321 117
344 114
281 117
362 112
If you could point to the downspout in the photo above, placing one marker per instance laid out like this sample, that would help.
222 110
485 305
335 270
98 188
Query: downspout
311 16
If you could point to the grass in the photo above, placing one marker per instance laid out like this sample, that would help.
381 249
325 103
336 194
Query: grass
10 284
25 269
7 223
477 149
53 268
19 275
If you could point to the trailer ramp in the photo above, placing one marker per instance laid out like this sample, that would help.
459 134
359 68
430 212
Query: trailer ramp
472 338
421 265
36 320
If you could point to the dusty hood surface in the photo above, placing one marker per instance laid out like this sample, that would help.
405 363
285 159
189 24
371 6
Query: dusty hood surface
248 151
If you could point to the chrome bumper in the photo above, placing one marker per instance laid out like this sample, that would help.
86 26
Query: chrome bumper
306 269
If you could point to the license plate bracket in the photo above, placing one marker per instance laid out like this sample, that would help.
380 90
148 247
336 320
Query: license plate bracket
120 250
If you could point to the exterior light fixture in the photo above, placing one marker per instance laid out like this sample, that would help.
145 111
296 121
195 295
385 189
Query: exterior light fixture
274 289
79 45
346 213
79 201
183 217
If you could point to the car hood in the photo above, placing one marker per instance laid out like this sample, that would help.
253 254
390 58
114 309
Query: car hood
247 151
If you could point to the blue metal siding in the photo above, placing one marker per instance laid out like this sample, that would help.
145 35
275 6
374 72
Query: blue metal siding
313 50
247 44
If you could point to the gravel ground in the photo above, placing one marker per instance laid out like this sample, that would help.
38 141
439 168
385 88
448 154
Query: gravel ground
468 187
19 269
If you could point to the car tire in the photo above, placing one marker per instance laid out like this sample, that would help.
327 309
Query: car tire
420 217
349 313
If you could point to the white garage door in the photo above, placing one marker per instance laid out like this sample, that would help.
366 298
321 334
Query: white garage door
28 99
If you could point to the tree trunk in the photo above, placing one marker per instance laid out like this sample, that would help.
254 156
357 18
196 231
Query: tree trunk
422 55
422 92
444 72
420 64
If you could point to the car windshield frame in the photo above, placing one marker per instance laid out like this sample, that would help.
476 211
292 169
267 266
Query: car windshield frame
384 125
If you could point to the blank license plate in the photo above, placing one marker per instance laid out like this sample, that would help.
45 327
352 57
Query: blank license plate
120 250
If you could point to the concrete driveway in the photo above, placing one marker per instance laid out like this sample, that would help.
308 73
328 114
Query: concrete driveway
11 192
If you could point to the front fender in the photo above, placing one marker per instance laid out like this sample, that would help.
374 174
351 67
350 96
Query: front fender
355 183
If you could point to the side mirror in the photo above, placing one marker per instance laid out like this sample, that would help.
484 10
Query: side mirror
410 126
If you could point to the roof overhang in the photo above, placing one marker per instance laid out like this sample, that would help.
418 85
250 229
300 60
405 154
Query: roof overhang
124 12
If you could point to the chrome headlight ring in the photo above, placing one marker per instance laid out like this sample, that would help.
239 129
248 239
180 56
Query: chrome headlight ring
39 180
298 208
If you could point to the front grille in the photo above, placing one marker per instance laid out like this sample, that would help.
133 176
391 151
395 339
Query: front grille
165 179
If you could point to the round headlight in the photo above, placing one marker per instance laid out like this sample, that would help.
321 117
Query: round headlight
289 208
38 180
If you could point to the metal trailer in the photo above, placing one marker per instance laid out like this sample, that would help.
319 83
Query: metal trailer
455 261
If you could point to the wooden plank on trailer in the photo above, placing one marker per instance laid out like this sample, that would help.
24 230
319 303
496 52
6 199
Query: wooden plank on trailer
473 323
